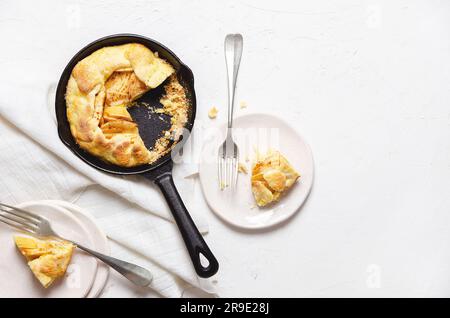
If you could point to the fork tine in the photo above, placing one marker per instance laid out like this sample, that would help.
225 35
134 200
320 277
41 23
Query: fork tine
220 172
224 173
29 214
228 171
225 179
20 226
231 172
235 172
19 216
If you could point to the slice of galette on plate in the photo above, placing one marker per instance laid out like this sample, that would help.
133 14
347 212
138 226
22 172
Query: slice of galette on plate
272 175
47 259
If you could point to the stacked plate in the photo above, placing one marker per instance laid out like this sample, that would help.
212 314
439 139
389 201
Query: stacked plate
85 276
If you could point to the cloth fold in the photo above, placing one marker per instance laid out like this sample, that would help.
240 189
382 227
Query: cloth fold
36 165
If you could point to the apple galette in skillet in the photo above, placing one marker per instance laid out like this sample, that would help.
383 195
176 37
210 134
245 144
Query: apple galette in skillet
101 88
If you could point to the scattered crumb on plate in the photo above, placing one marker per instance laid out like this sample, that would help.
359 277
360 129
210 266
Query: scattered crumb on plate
242 168
243 104
213 112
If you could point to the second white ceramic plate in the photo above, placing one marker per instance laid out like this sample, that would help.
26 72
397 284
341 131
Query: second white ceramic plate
256 133
16 279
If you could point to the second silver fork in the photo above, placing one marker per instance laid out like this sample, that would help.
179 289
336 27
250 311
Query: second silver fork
39 226
228 154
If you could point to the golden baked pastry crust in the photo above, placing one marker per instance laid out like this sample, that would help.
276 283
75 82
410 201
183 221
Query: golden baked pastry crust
271 177
48 260
100 88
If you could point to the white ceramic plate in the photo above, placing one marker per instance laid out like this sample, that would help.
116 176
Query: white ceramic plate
256 132
16 279
100 242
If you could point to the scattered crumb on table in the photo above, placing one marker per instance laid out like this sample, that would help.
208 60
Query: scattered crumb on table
213 112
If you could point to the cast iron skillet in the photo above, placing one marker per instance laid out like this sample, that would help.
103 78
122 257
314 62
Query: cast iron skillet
151 126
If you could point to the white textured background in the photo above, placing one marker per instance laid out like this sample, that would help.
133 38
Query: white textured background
367 83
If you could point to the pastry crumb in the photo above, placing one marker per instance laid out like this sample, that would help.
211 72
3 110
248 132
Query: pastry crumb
213 112
243 104
242 168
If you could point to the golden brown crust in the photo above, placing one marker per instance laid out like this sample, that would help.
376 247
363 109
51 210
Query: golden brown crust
109 78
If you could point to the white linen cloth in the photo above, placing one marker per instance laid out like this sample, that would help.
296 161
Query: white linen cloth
36 165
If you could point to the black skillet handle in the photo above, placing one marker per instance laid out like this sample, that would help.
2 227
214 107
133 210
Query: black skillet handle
194 241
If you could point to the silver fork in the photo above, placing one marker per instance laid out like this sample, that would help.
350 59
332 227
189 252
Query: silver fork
37 225
228 156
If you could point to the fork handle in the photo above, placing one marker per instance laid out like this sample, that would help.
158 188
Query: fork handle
233 54
136 274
